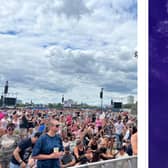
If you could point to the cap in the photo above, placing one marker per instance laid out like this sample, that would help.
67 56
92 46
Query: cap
37 134
67 148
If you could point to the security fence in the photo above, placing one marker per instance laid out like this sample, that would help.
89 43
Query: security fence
126 162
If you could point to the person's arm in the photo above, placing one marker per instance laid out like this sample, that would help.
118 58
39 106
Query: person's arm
31 161
54 155
76 152
107 156
115 154
72 163
18 158
90 142
134 143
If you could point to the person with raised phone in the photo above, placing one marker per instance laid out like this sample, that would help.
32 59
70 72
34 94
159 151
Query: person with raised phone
49 148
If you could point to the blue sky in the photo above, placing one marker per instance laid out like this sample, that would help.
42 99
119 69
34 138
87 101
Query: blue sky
51 48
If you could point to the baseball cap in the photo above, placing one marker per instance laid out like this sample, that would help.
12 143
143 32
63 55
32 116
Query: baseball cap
67 148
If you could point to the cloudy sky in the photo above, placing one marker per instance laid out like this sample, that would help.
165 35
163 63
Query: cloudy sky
50 48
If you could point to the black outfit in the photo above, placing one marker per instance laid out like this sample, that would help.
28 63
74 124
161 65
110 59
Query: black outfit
94 146
26 147
80 153
24 122
93 117
102 150
30 123
82 158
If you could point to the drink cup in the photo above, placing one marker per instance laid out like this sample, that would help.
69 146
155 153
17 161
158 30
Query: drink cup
56 149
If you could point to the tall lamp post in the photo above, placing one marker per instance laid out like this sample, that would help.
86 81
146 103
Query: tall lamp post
112 104
5 93
101 97
62 101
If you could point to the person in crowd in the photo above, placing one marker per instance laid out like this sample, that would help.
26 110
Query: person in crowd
87 157
127 135
66 142
122 152
99 140
134 142
86 136
36 126
104 155
121 155
108 128
93 144
93 117
23 151
119 126
67 159
15 120
89 154
98 123
42 126
79 150
30 121
105 139
8 143
23 125
127 140
110 146
62 121
72 142
4 122
49 147
69 131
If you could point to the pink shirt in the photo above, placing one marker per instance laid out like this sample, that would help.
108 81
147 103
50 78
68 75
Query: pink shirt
98 123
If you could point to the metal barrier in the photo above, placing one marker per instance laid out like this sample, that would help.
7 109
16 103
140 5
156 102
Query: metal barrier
126 162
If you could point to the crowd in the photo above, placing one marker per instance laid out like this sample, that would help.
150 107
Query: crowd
53 139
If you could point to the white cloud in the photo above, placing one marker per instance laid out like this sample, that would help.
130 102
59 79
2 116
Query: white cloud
72 47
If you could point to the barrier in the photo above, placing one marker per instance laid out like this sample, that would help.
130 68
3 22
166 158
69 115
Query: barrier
126 162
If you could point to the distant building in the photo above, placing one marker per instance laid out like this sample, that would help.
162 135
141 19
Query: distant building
19 101
68 103
130 99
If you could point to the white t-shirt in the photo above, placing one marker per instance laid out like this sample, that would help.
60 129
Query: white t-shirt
127 134
119 127
17 123
8 143
4 123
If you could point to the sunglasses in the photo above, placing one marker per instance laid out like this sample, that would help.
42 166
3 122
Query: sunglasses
57 125
10 129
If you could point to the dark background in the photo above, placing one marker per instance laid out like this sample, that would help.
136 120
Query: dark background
158 84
